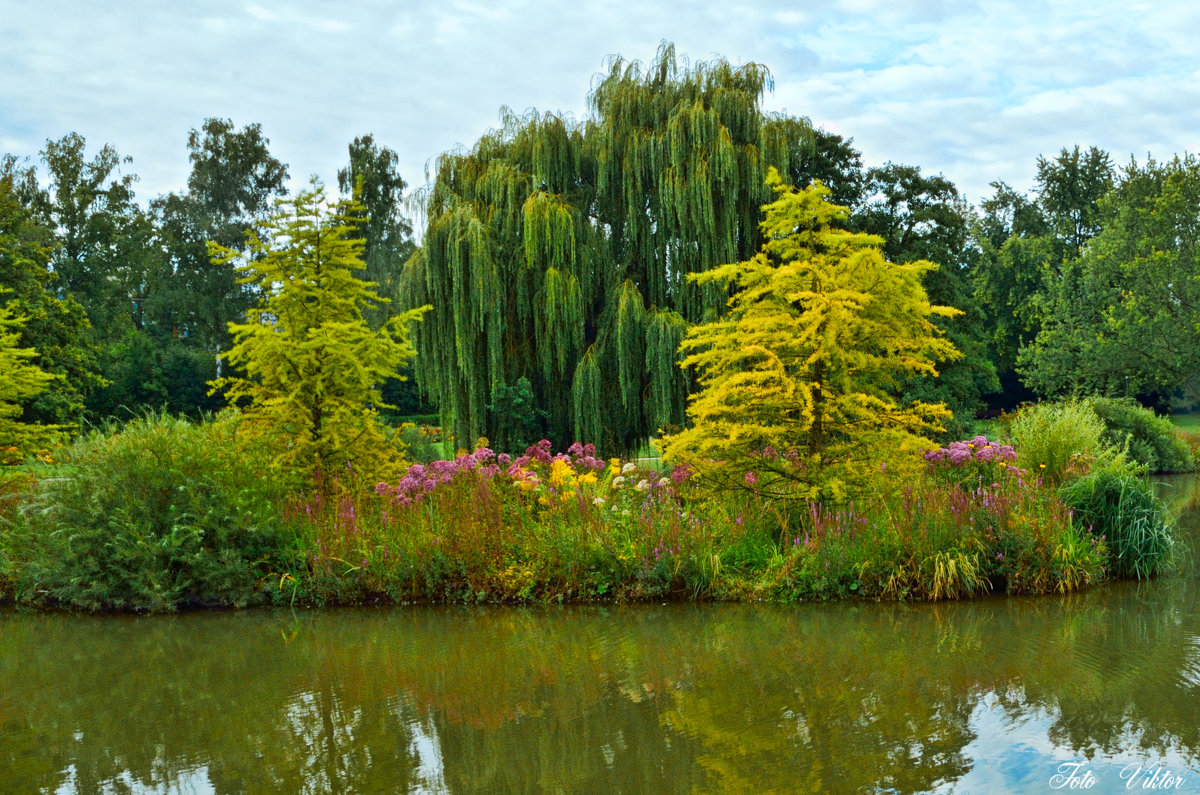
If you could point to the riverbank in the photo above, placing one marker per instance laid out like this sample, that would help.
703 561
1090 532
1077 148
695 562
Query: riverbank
169 515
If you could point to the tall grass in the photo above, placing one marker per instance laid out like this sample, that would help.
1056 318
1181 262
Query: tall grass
1054 440
1121 508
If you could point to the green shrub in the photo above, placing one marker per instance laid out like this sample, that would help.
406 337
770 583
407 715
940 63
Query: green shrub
161 515
1120 507
1056 439
1148 439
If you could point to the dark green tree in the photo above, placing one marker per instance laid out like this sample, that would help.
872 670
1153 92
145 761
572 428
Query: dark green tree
371 176
103 240
558 250
233 180
1123 318
372 179
836 163
1069 190
923 217
54 326
1026 245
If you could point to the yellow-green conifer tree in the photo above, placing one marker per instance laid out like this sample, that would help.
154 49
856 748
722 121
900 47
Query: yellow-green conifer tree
798 379
20 380
312 365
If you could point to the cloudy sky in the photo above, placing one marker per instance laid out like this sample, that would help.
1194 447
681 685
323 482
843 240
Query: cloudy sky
975 91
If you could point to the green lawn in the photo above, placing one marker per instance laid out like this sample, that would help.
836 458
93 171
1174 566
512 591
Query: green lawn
1187 422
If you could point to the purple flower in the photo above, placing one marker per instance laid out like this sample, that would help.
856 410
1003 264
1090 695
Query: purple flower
680 473
751 478
504 459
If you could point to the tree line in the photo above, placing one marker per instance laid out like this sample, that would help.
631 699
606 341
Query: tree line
559 257
123 306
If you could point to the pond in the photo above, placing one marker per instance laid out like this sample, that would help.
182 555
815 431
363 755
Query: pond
995 695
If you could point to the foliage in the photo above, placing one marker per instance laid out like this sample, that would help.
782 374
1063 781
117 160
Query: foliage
1119 506
102 236
1026 249
972 523
20 380
1124 318
191 300
820 330
372 179
56 325
923 218
162 515
1056 440
312 365
836 163
146 372
1148 439
557 250
518 421
1070 188
546 527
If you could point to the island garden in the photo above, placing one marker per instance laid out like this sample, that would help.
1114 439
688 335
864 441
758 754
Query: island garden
681 349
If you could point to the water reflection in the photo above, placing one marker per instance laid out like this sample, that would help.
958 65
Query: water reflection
985 696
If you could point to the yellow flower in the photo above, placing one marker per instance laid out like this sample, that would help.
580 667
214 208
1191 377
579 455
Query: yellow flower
543 501
560 472
588 479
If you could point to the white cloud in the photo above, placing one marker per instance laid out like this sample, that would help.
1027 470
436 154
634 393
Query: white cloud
973 90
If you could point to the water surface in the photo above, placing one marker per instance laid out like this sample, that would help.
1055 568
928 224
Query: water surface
986 696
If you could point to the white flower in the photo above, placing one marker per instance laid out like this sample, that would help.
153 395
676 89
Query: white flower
625 512
625 470
598 501
642 485
618 482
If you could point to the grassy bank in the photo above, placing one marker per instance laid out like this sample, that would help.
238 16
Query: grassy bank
167 514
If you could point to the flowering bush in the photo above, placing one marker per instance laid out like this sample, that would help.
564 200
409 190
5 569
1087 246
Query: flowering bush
488 526
975 461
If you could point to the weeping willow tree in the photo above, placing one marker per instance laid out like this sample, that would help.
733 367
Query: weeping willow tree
558 250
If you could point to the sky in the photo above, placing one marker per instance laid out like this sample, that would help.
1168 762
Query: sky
975 91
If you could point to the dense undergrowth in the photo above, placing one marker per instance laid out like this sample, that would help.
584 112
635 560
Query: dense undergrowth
166 514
